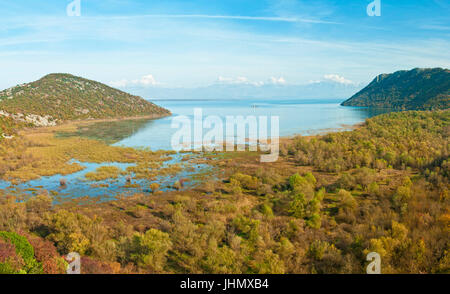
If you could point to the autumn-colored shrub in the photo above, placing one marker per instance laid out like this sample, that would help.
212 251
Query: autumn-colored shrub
24 250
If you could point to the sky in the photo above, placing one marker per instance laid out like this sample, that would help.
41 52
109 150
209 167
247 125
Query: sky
164 43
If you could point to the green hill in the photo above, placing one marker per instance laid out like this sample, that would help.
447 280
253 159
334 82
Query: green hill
417 89
61 97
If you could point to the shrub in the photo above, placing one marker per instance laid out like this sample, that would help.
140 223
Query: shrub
326 258
373 189
300 184
346 181
314 221
267 262
364 176
92 266
346 200
24 250
45 253
297 207
266 210
39 204
10 262
310 178
245 181
74 232
149 250
247 228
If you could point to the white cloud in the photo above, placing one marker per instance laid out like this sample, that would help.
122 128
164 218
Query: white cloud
145 81
277 81
338 79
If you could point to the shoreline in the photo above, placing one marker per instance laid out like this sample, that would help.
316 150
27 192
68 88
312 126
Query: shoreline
96 120
71 123
323 132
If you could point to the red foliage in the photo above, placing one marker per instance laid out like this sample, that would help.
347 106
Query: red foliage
45 252
92 266
8 255
7 250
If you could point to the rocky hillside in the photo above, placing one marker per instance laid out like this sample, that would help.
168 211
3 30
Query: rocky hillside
417 89
60 97
8 128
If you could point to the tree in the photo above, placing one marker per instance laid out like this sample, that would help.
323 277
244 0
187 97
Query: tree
300 184
297 207
346 200
149 250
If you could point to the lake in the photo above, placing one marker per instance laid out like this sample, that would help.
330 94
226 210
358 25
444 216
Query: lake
302 117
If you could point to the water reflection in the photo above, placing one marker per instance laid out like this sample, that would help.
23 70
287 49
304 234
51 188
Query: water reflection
108 132
303 117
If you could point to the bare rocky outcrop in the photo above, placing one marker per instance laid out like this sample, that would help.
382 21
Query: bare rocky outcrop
36 120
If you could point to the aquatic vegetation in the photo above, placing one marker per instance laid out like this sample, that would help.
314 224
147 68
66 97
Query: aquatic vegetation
105 172
38 153
154 187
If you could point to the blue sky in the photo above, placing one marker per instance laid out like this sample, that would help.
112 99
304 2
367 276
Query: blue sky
168 43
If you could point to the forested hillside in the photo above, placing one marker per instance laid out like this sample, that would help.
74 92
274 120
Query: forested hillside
66 97
417 89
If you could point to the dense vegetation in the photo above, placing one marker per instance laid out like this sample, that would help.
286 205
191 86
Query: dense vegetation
67 97
8 127
417 89
321 208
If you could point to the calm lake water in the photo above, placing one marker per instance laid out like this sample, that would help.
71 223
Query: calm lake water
304 117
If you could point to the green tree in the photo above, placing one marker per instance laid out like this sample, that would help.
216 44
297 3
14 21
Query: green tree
149 250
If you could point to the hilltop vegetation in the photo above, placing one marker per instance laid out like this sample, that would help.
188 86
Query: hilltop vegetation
321 208
66 97
417 89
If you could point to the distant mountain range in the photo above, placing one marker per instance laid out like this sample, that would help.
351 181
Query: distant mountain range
60 97
317 90
417 89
